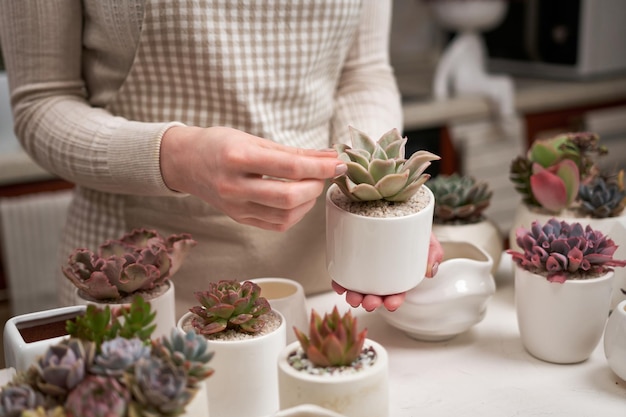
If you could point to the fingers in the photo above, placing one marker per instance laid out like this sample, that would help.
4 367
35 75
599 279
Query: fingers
435 256
368 301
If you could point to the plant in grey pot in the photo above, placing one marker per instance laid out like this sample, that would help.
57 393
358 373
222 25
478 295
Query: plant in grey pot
140 262
560 268
335 366
460 204
378 214
247 335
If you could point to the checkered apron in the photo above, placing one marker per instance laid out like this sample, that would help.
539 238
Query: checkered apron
267 67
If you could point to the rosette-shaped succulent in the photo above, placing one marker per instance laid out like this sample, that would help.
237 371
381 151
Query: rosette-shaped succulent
602 197
159 388
549 175
16 398
97 396
189 352
333 340
118 355
63 366
459 199
379 170
561 251
140 260
230 305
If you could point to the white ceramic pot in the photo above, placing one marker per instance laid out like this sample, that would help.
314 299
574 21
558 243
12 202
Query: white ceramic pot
163 305
615 340
360 394
561 323
453 301
28 336
287 296
484 234
462 15
377 255
199 404
613 227
244 366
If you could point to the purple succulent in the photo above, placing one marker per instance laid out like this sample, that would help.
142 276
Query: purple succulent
118 355
16 398
97 396
140 260
63 366
561 251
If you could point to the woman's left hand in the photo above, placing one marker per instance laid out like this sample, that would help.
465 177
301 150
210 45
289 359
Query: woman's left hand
392 302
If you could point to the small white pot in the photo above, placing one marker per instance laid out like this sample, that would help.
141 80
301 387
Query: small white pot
163 305
361 394
462 15
615 340
377 255
244 366
199 404
20 353
453 301
613 227
561 323
286 296
484 234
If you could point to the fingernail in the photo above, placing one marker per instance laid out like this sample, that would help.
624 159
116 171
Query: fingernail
340 169
434 269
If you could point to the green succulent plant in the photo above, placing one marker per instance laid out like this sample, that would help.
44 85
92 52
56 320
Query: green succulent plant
230 304
459 199
379 170
332 340
602 197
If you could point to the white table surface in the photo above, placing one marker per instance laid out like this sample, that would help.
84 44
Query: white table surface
486 371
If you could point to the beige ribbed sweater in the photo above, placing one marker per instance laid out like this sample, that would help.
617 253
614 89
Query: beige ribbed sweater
297 72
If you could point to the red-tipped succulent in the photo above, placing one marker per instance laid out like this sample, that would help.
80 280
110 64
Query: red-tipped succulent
140 260
562 251
333 340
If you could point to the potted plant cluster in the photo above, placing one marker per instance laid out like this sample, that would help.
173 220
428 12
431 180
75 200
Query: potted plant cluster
377 214
246 335
335 367
110 366
140 262
560 177
460 204
563 284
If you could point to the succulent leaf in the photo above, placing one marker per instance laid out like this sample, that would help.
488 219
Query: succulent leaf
459 199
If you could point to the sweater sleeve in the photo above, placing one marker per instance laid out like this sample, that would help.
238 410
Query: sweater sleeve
54 121
367 96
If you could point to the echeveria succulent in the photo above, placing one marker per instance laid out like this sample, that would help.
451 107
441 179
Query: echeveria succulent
561 251
332 340
189 352
97 396
230 305
140 260
16 398
118 355
602 197
379 170
459 198
63 366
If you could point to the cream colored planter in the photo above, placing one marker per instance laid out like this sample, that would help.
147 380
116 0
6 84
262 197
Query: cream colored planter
245 382
561 323
163 305
377 255
615 340
484 234
361 394
453 301
613 227
21 351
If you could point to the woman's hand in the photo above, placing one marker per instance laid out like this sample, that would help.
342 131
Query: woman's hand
253 180
393 301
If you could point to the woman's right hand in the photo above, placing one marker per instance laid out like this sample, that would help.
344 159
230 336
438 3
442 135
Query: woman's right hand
253 180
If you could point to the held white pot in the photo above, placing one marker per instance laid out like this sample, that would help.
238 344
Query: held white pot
375 255
615 340
28 336
162 304
244 366
360 394
484 234
614 227
453 301
561 322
